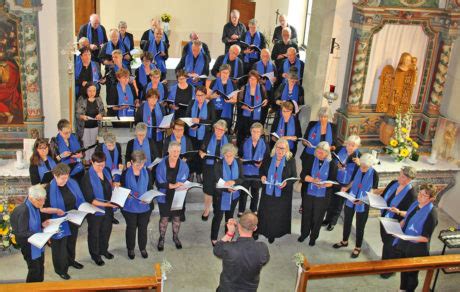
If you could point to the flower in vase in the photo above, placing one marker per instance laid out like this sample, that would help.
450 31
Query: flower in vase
6 217
11 207
409 139
404 130
415 145
404 152
393 143
4 231
1 208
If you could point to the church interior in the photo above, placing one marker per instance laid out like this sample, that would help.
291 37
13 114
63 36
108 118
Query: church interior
385 74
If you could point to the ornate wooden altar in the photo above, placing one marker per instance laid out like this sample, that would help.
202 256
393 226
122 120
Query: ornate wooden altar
441 26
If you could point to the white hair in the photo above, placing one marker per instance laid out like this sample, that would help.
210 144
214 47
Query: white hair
37 192
229 147
324 145
367 159
354 139
173 144
141 128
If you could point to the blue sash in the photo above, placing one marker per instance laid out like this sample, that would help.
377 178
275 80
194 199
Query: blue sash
396 199
145 147
73 146
111 164
160 89
182 176
290 131
314 136
35 226
155 49
415 225
287 65
229 174
258 155
203 115
219 103
125 98
275 176
143 75
211 149
172 93
125 41
147 118
261 69
235 69
89 34
183 143
96 183
294 95
110 47
344 175
361 184
94 70
42 169
138 188
321 173
257 100
255 54
199 64
56 201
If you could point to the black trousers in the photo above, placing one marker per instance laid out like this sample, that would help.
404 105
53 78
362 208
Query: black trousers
253 187
36 268
312 215
63 250
99 230
218 215
195 162
139 222
361 219
407 249
387 240
335 207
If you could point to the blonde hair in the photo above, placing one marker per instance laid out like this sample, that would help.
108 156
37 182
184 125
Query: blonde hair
283 141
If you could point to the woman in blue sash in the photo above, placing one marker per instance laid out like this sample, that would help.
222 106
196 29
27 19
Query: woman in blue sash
141 142
125 37
41 163
287 126
195 63
89 111
159 50
252 37
112 151
97 190
203 116
26 220
105 55
399 195
126 96
210 153
162 88
224 201
366 179
316 192
65 145
266 66
276 199
290 90
180 95
137 213
347 159
253 152
151 113
223 106
177 135
86 71
253 100
64 194
419 220
143 73
171 173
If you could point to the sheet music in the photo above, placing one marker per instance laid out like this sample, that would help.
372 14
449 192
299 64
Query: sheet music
39 239
89 208
338 158
221 185
119 196
377 201
178 200
188 121
53 226
76 217
155 162
274 134
346 196
188 185
327 182
148 196
166 121
279 184
394 228
126 119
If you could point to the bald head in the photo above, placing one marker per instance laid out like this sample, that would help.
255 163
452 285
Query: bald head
248 222
94 20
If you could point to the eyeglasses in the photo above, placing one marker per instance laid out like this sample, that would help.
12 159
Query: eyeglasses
219 129
42 147
280 148
200 95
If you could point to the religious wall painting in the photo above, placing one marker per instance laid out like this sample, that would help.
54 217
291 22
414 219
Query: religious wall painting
446 144
11 102
411 3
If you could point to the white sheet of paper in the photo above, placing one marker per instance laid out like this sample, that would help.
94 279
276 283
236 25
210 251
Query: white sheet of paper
274 134
126 119
39 239
346 196
376 201
155 162
166 121
188 185
116 171
76 217
28 148
394 228
221 185
178 200
148 196
269 75
88 208
233 93
53 226
188 121
119 196
328 182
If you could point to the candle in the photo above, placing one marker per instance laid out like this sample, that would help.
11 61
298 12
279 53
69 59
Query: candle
331 88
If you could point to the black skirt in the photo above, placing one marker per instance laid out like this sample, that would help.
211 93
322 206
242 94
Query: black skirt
275 214
165 208
209 183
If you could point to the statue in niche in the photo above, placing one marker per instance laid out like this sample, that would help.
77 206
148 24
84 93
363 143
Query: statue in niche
396 86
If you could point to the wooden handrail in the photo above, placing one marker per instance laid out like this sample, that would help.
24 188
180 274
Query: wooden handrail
324 271
146 282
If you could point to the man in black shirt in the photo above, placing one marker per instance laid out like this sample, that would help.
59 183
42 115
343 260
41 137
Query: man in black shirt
243 259
95 33
188 47
279 53
233 60
233 30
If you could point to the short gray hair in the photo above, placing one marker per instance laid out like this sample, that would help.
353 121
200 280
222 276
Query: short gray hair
221 123
141 128
235 47
354 139
37 192
324 145
257 125
138 156
110 137
323 112
288 29
235 12
83 39
117 52
122 23
229 147
173 144
113 30
225 67
252 21
409 171
367 159
61 169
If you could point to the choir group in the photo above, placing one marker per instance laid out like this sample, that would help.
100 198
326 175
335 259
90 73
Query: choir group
249 85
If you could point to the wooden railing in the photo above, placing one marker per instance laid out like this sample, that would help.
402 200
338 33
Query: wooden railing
324 271
146 282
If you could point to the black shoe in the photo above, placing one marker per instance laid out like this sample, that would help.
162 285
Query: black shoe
325 223
386 275
108 255
330 227
77 265
302 238
64 276
99 262
312 242
131 254
204 218
177 243
271 240
115 221
161 244
340 244
144 254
